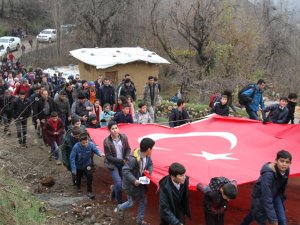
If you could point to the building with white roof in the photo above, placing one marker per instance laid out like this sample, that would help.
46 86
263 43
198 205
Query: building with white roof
114 63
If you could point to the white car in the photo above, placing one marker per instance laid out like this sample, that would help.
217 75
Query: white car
47 35
9 44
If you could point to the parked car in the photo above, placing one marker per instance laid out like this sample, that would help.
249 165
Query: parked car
47 35
8 43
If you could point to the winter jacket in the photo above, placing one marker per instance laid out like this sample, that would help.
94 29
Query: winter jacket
222 110
119 117
269 185
142 118
40 108
107 95
257 99
111 153
147 98
132 171
21 87
291 107
128 90
276 114
79 109
63 107
80 157
6 103
105 116
49 131
171 204
177 117
214 203
66 149
21 109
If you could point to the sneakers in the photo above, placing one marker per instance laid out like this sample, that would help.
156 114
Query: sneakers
90 195
58 162
111 193
120 213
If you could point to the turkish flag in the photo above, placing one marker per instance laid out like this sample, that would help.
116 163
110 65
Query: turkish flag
217 146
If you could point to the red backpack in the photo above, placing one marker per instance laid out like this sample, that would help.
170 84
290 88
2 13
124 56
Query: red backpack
212 99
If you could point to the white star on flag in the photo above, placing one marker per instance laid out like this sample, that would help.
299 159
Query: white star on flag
211 156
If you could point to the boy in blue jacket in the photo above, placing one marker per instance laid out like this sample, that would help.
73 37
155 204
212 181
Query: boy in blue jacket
268 193
81 162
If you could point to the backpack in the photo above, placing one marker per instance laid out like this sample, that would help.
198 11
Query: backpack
213 99
243 99
217 182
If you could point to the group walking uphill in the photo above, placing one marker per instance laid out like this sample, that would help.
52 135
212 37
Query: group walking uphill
62 109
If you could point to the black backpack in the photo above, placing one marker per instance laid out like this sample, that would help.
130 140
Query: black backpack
243 99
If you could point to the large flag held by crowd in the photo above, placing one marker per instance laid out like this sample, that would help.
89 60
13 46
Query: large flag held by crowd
216 146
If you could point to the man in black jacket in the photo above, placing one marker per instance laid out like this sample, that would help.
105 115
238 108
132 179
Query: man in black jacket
21 111
107 93
174 196
43 108
179 115
6 112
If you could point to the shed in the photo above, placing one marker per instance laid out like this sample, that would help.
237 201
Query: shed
114 63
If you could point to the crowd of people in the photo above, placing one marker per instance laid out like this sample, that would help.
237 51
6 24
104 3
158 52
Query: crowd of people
61 109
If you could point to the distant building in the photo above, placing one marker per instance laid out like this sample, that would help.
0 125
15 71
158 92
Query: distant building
114 63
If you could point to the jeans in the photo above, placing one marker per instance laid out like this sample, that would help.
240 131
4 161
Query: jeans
130 203
280 210
252 115
116 175
21 125
280 213
151 110
54 150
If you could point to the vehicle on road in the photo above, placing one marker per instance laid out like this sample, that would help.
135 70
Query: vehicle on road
47 35
9 43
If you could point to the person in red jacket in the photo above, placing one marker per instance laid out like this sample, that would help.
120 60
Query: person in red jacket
23 86
54 130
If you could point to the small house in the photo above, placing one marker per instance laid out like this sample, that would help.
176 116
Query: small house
114 63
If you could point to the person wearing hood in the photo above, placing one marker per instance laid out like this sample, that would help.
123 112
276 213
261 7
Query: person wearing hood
292 102
138 164
174 196
54 130
92 122
6 113
68 143
268 194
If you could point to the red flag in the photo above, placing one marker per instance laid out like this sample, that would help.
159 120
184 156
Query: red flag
217 146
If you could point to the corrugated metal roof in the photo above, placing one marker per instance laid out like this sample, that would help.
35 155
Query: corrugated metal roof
103 58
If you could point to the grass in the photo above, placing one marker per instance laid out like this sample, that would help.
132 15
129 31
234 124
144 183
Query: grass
16 206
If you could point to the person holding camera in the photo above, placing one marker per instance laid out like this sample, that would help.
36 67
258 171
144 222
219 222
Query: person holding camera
81 162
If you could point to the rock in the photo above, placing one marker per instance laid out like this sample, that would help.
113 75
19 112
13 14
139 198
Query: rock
47 181
93 219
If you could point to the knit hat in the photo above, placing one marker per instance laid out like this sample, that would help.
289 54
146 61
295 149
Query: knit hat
91 83
62 93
